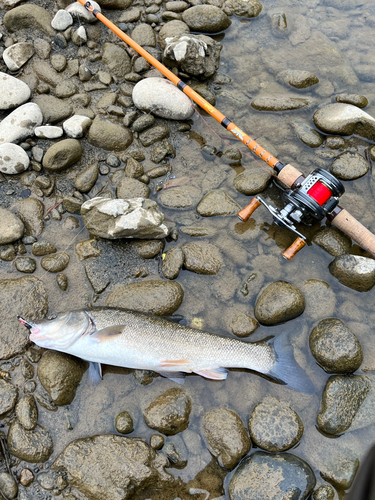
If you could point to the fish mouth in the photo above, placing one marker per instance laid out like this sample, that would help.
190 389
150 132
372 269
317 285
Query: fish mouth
34 330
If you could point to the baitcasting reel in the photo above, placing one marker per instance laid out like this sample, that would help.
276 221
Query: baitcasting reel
311 198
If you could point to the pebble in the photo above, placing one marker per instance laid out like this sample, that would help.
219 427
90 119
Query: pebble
34 446
25 265
333 241
356 100
169 413
341 473
342 398
243 325
297 79
7 253
157 441
274 426
48 132
8 486
149 249
53 109
252 181
278 103
159 171
86 180
279 302
258 475
31 212
77 126
225 436
354 271
62 155
11 227
130 15
173 261
60 375
8 396
163 99
134 169
308 135
349 166
41 248
320 299
55 263
62 20
62 281
20 123
78 10
26 477
108 135
13 92
345 119
17 55
124 423
171 29
179 197
116 60
144 35
158 297
27 412
206 19
324 492
202 258
217 202
153 134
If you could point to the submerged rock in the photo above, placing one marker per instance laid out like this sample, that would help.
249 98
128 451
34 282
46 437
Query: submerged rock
278 103
279 302
267 476
298 79
324 492
33 446
308 135
357 100
252 181
275 426
55 263
333 241
202 258
31 212
206 19
349 166
341 473
158 297
169 413
225 436
172 263
217 202
124 423
132 218
111 466
335 348
60 374
354 271
244 8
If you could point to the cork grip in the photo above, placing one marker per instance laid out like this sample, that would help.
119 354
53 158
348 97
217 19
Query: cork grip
349 225
288 175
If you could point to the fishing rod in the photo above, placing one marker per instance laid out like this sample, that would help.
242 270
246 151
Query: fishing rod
309 199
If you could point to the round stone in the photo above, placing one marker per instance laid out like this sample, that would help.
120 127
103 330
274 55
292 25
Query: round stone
349 166
132 188
86 179
34 446
274 426
252 181
11 227
157 441
13 92
173 260
62 155
27 412
324 492
354 271
202 258
109 135
8 396
25 265
124 423
55 263
279 302
335 348
40 248
62 281
206 19
333 241
243 325
169 413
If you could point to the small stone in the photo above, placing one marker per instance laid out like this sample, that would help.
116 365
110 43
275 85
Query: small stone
217 202
149 249
55 263
25 265
86 249
77 126
159 171
124 423
157 441
31 212
275 426
26 477
244 8
85 180
62 281
72 204
202 258
206 19
244 325
169 413
349 166
7 252
48 132
27 412
176 452
34 446
78 10
252 181
144 35
8 486
333 241
62 20
153 134
62 155
308 135
27 369
133 169
298 79
354 271
40 248
17 55
8 396
341 474
278 103
109 135
172 263
357 100
143 122
279 302
11 227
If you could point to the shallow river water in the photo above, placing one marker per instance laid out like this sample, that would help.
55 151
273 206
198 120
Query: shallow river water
334 40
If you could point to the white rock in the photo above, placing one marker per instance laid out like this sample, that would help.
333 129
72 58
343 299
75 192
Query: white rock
10 3
162 98
48 132
76 126
62 20
13 92
21 123
13 159
17 55
78 10
81 33
131 218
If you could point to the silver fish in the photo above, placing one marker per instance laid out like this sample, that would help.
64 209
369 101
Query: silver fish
134 340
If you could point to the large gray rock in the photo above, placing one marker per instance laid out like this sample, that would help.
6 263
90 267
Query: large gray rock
11 227
264 476
20 124
28 297
29 16
111 466
132 218
160 97
196 55
206 19
225 436
109 135
13 92
345 119
354 271
275 426
342 398
33 446
158 297
169 413
62 155
335 348
278 302
60 375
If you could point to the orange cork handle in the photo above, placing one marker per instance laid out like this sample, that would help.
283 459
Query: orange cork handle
353 228
294 248
248 211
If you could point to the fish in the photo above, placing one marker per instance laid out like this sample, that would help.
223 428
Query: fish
132 339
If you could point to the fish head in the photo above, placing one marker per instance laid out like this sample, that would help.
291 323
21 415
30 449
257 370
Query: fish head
59 331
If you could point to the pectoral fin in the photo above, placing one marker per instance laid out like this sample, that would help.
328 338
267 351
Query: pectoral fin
107 333
95 373
177 377
213 373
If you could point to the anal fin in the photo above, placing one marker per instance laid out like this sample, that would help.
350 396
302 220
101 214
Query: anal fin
95 373
213 373
178 377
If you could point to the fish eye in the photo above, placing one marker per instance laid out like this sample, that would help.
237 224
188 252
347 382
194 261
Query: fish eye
52 316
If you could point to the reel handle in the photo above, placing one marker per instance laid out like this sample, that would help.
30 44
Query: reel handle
342 219
248 211
295 247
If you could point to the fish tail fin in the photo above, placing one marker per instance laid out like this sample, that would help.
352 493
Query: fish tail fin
286 369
